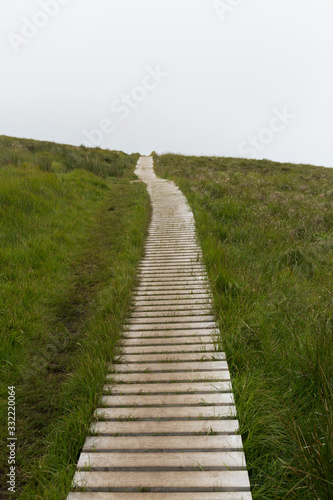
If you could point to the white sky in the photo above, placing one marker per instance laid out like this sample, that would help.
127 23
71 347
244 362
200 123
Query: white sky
232 66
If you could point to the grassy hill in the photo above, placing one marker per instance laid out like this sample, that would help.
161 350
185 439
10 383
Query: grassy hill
72 228
266 231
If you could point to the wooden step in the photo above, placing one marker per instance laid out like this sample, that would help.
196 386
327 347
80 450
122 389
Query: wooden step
167 388
155 427
160 496
172 412
121 378
187 480
182 443
230 459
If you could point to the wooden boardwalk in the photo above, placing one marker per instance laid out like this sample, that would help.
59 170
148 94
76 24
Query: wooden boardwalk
167 429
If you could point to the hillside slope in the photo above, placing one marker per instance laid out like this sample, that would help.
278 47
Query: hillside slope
72 228
266 231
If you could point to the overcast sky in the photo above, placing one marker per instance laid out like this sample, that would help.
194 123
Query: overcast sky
242 78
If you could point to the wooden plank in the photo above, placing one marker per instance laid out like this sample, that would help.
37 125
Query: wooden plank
173 307
173 237
206 427
159 443
178 246
212 480
148 261
172 326
156 254
176 387
161 254
173 292
169 377
172 358
170 269
190 285
169 273
173 313
153 367
157 344
195 339
148 274
168 348
171 288
185 282
156 241
199 459
174 242
171 319
170 400
189 332
170 412
160 496
170 305
170 276
158 299
169 333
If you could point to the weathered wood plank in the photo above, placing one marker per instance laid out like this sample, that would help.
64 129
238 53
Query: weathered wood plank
166 348
168 377
171 412
211 480
172 313
167 460
170 400
166 427
171 319
131 342
172 326
153 367
225 442
172 357
175 387
160 496
170 333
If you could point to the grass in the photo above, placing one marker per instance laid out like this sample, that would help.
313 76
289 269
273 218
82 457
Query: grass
266 231
72 232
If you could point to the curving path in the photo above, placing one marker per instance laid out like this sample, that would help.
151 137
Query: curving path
168 428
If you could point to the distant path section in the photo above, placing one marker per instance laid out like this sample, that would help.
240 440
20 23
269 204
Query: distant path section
167 427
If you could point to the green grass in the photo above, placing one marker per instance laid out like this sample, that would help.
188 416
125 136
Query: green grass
266 231
72 228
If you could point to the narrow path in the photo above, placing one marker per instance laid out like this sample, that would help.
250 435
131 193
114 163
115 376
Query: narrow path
167 430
